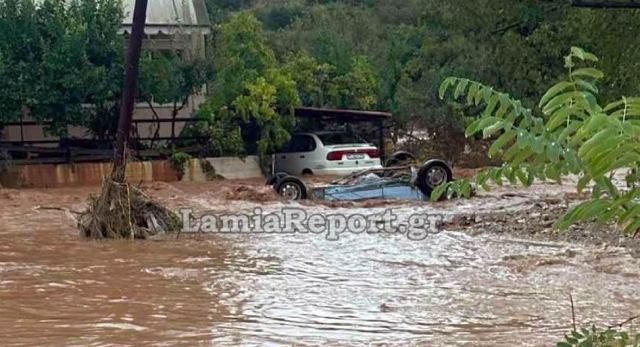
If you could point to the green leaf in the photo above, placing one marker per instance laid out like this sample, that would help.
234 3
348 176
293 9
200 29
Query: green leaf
587 85
577 335
521 157
439 191
571 340
569 130
590 57
538 144
491 105
631 214
553 91
461 88
492 129
596 140
577 52
487 93
553 152
487 121
558 118
471 95
504 107
505 138
466 189
473 128
449 81
614 105
563 99
582 182
588 72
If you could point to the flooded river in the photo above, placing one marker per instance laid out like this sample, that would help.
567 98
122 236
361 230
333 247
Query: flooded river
272 290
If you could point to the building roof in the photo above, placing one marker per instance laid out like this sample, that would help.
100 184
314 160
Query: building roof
170 17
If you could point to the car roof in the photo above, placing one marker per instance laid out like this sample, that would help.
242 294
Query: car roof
324 132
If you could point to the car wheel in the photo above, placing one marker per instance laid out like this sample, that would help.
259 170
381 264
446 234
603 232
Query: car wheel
291 188
273 180
432 175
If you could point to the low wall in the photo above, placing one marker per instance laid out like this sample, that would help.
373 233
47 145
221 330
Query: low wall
235 168
91 174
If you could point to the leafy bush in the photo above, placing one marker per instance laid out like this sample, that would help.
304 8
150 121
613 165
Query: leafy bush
599 338
573 134
178 161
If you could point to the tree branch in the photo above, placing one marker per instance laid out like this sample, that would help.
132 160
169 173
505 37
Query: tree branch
156 133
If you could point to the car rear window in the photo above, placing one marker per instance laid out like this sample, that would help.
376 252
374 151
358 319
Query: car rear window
330 139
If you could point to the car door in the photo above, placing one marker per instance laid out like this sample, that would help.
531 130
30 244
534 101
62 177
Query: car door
282 162
300 155
294 159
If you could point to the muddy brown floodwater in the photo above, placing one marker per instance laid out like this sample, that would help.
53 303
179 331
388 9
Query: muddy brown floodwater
249 290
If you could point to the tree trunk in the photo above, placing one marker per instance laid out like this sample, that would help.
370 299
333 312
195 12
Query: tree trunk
129 89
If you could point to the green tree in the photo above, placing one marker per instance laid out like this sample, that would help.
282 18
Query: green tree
358 88
313 80
252 98
412 45
168 78
62 57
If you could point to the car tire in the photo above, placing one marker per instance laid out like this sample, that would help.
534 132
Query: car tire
291 188
273 180
432 175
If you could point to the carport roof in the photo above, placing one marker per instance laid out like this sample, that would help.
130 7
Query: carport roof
354 115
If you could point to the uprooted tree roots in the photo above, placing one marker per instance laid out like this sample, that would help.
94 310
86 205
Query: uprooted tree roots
124 211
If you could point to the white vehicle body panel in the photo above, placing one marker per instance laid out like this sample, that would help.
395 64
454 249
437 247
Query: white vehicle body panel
306 153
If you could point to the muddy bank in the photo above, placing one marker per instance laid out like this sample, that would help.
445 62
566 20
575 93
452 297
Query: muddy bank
545 203
537 223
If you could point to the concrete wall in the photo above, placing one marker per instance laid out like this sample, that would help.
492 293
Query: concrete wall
91 174
235 168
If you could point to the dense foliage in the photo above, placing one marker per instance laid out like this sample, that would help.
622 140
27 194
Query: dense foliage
573 134
54 58
272 55
252 99
411 46
61 65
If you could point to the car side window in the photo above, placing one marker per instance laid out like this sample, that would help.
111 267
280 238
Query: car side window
292 144
309 144
302 143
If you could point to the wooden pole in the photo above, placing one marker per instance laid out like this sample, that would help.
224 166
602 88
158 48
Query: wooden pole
382 149
129 89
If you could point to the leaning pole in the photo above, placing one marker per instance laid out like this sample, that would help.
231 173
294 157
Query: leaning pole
122 210
129 88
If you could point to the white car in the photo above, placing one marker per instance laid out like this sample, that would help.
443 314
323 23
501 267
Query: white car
326 153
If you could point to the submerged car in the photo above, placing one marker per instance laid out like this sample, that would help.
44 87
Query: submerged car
398 182
326 153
